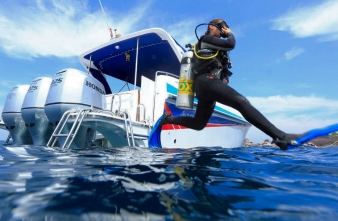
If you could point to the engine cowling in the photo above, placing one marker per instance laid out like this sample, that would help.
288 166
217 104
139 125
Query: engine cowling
11 115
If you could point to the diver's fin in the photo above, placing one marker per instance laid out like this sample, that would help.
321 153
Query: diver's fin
319 132
154 139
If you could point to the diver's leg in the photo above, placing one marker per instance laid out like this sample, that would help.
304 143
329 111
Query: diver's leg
227 95
203 113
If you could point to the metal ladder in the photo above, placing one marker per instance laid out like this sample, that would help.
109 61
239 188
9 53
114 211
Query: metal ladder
73 131
129 128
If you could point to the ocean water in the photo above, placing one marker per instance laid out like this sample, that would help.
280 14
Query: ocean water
257 183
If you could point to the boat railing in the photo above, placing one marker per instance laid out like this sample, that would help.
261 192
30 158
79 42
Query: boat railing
119 95
156 75
165 73
112 103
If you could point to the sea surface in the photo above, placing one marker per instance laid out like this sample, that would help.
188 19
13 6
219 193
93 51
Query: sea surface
256 183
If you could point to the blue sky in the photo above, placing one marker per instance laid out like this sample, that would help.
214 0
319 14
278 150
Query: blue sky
285 60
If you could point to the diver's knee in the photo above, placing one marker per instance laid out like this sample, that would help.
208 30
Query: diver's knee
199 128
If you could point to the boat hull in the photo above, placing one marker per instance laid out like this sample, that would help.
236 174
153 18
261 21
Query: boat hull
222 136
114 129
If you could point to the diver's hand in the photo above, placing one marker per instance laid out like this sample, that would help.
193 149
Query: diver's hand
226 30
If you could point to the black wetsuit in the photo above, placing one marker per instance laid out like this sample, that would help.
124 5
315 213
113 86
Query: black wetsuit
209 90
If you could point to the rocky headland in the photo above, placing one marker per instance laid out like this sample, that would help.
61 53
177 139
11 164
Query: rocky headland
325 141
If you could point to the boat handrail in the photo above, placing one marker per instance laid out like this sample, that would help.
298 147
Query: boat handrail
129 128
75 127
156 75
165 73
70 135
59 127
119 96
112 102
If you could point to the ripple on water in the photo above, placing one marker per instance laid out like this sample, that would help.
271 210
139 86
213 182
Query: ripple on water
146 184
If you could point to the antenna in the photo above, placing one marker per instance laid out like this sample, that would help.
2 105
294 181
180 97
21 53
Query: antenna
110 31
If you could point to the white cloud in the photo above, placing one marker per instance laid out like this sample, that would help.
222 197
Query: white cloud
183 31
293 104
289 125
319 20
68 28
59 28
294 114
294 52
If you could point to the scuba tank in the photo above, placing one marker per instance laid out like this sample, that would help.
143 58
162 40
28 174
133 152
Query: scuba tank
185 94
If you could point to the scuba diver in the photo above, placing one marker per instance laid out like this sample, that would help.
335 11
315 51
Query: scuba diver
211 86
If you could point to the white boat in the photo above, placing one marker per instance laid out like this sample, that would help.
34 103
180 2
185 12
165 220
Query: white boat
84 111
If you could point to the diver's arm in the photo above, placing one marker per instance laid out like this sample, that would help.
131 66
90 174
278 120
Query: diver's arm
210 41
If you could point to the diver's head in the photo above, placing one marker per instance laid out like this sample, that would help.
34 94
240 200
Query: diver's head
216 26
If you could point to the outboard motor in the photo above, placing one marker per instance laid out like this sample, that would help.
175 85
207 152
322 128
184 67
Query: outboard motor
33 112
72 89
12 118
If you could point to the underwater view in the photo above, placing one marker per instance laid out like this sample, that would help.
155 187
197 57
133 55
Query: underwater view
256 183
